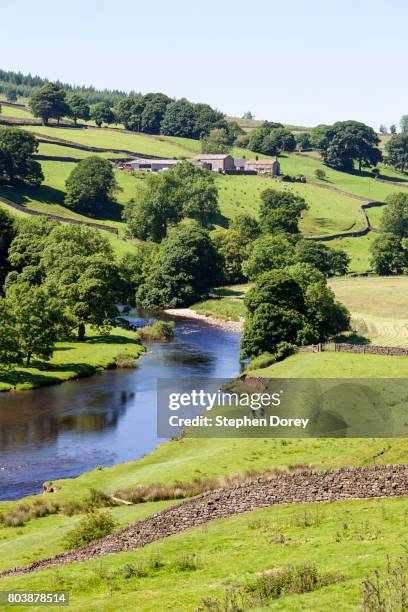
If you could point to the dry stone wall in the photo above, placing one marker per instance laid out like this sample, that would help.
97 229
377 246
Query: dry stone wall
298 487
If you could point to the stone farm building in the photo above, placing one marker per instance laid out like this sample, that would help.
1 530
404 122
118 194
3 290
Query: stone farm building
215 162
263 166
153 165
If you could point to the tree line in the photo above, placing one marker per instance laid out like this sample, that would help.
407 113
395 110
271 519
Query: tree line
16 84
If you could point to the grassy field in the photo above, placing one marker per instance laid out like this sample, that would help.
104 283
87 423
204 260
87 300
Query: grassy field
329 211
72 360
378 305
15 111
45 148
358 249
348 539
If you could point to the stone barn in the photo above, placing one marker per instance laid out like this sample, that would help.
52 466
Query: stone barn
264 166
215 162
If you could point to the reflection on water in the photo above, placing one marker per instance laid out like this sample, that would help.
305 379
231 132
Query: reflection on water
61 431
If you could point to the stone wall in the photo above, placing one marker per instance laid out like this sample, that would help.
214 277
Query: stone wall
298 487
371 349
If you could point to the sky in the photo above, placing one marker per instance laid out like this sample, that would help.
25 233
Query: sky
298 62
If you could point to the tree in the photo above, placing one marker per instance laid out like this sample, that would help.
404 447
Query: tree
383 129
91 185
37 320
260 142
179 119
248 115
149 214
318 135
80 272
129 111
184 191
286 306
7 233
78 108
389 254
280 211
397 149
49 102
303 141
194 191
184 268
395 215
207 119
247 226
348 141
329 261
102 113
155 105
393 129
404 124
9 348
266 253
11 94
17 148
216 142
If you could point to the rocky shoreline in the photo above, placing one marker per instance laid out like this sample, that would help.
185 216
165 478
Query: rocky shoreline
189 313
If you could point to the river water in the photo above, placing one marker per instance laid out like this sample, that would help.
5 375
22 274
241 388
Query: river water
64 430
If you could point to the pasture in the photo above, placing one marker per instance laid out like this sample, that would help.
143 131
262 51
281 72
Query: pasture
347 540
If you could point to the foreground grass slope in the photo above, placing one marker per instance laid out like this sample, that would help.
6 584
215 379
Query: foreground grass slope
348 539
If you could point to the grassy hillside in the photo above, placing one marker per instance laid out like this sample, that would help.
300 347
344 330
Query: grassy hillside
358 249
45 148
347 539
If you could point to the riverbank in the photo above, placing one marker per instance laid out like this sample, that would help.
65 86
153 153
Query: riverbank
72 360
225 324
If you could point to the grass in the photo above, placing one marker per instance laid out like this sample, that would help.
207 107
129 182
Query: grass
358 249
329 211
346 539
167 146
378 306
45 148
73 360
14 111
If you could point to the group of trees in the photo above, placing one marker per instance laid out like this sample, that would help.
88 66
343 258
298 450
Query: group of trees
17 148
291 305
393 128
397 151
270 139
55 279
14 84
390 248
153 113
164 199
347 142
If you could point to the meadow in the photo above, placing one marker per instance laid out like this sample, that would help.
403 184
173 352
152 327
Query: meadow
347 540
73 360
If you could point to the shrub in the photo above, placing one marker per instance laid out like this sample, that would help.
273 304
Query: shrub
262 361
92 527
125 360
186 563
159 330
320 174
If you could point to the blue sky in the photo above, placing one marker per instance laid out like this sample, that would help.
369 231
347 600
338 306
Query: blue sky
297 62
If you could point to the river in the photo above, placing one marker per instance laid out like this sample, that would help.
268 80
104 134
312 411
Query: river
64 430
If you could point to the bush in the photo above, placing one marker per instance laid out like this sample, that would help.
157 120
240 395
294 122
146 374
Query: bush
92 527
262 361
320 174
159 330
125 360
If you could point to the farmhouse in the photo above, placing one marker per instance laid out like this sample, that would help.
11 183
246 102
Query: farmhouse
240 163
263 166
153 165
214 162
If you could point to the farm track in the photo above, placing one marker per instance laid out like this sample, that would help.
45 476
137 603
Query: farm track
298 487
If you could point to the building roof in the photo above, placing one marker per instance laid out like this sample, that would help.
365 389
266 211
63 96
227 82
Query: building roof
261 161
240 162
210 156
154 161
